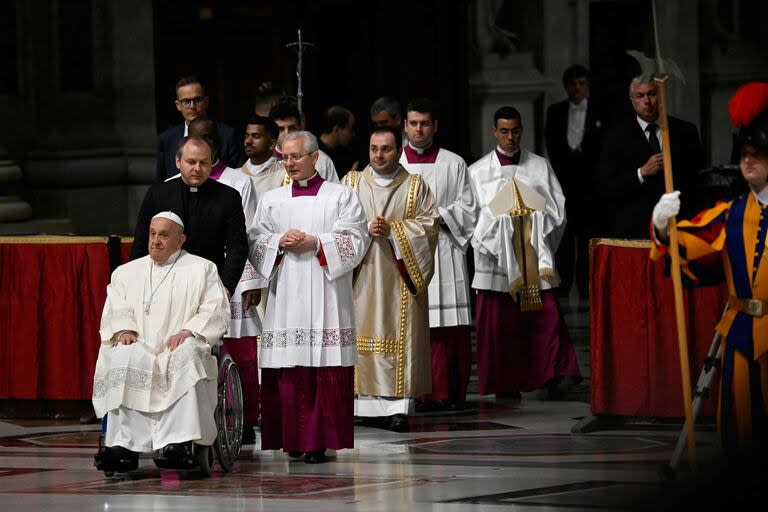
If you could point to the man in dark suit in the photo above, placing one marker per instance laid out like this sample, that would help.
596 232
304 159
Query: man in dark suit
192 102
632 169
211 211
574 135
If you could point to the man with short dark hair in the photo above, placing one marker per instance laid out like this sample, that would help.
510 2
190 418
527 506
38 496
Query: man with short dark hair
262 166
288 118
192 102
522 342
336 138
212 213
386 111
450 318
390 291
574 134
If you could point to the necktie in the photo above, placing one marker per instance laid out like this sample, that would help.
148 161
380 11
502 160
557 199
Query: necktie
653 140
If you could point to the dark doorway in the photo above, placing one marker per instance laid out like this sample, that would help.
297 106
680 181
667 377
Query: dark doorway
618 26
399 48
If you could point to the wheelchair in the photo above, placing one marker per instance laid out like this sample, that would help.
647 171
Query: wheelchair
229 426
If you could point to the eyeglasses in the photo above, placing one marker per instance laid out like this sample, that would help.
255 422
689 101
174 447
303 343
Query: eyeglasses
642 95
294 158
189 101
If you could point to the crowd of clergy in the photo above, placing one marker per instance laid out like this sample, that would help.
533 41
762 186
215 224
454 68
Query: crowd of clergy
341 293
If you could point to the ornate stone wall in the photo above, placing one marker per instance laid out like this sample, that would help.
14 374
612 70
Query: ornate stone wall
82 123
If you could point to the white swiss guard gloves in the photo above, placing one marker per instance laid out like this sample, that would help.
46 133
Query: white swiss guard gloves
667 207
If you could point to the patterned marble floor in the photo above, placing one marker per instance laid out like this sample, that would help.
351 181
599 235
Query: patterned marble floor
493 456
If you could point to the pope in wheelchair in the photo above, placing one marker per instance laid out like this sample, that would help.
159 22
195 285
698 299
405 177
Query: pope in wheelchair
156 377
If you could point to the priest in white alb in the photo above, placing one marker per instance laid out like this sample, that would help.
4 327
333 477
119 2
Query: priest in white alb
522 341
155 374
307 239
450 316
391 302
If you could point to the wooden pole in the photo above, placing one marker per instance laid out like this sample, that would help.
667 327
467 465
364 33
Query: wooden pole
677 282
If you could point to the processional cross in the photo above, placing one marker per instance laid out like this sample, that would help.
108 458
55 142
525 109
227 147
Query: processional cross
300 47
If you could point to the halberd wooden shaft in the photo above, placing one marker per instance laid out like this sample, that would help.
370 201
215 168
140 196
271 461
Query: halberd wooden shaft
677 282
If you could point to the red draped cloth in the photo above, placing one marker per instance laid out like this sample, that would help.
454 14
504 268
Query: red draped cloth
244 352
451 352
125 249
52 292
635 361
521 351
306 409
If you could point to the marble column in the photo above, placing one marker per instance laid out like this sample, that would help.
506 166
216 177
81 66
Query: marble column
12 207
92 155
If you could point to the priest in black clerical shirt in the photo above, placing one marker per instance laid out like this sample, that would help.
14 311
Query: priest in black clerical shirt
212 212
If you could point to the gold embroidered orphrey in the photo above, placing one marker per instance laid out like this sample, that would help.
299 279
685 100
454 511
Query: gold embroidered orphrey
527 287
397 346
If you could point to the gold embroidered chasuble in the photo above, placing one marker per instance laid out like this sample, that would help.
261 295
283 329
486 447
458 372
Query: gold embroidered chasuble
390 296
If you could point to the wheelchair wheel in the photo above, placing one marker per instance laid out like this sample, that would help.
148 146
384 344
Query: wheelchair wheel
229 414
204 460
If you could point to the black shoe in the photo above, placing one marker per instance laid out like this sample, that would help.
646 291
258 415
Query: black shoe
432 406
178 454
116 458
557 388
315 457
510 396
398 423
295 454
373 422
249 435
456 405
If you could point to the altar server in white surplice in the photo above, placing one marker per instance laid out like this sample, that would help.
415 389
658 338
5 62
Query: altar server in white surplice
155 374
307 239
450 318
262 167
522 341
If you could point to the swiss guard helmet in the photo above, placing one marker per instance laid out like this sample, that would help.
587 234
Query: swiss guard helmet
748 110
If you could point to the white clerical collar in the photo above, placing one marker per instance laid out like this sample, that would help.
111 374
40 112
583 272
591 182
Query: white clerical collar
257 168
170 261
762 196
420 151
305 183
644 124
579 106
506 153
385 177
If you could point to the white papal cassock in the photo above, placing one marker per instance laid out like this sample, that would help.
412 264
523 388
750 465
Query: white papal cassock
155 396
309 319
